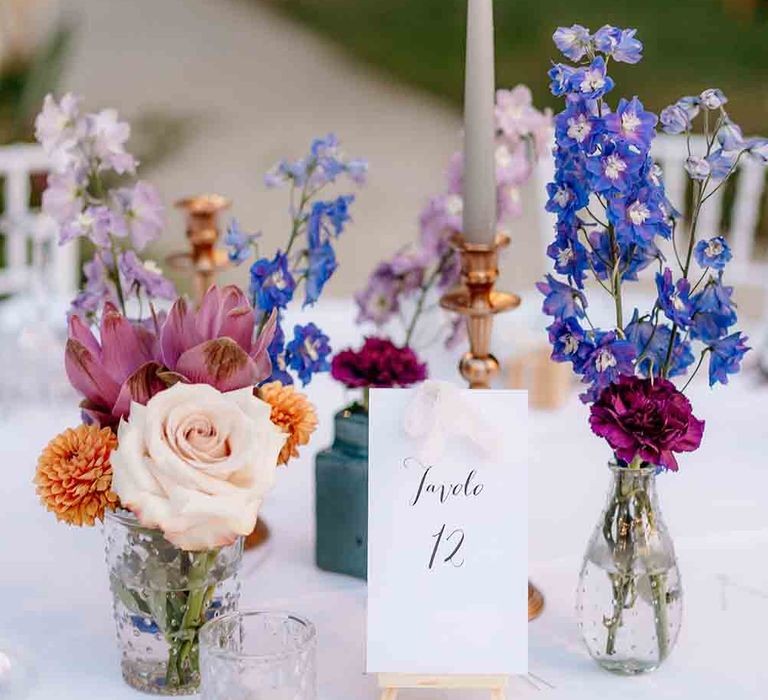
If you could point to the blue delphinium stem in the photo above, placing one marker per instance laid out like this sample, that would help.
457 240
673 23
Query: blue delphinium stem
697 368
665 369
617 284
298 218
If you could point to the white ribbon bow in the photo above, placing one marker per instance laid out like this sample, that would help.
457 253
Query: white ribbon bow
437 412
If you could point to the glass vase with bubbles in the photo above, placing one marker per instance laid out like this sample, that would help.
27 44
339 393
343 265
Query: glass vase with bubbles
629 601
162 596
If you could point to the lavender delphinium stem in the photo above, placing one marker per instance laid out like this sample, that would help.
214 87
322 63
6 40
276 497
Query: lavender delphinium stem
425 289
87 152
100 193
116 276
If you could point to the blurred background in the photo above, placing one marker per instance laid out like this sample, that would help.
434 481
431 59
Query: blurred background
218 90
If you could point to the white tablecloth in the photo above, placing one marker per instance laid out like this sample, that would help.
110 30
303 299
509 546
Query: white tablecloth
55 602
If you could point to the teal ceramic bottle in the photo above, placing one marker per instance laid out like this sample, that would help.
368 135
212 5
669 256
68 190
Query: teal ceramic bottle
341 496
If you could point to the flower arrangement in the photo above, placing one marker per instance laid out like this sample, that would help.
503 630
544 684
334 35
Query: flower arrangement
403 287
92 193
309 256
612 217
181 427
612 212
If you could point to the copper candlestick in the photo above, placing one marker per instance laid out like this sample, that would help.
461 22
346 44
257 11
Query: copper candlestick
477 299
205 259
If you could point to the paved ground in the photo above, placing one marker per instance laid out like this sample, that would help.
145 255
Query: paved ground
252 87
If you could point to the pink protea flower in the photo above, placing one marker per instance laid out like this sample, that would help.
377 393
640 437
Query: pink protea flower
645 418
215 344
110 373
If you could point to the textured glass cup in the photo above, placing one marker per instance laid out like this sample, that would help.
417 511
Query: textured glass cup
629 600
258 656
162 596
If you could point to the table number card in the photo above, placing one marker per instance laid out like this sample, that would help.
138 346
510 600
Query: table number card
447 534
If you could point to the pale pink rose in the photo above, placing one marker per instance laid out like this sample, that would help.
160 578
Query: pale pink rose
196 463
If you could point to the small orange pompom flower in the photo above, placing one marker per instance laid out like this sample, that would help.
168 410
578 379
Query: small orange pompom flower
74 475
293 413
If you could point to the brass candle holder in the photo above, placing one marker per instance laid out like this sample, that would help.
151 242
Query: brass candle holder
477 299
202 225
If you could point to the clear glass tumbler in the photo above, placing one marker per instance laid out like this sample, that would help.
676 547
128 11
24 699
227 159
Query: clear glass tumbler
162 597
251 655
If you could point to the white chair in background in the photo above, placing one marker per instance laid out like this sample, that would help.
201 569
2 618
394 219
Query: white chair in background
31 245
37 282
736 218
543 174
739 224
670 152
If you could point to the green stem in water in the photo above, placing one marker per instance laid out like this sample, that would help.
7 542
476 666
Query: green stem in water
623 582
632 515
660 617
182 661
658 581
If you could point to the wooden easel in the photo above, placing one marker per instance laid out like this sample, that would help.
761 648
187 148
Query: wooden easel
392 683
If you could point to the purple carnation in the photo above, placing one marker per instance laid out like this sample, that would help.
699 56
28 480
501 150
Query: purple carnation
379 363
645 418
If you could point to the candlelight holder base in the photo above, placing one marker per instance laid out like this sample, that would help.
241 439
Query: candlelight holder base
477 299
205 259
479 302
535 602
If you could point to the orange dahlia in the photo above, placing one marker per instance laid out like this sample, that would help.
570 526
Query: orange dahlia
293 413
74 475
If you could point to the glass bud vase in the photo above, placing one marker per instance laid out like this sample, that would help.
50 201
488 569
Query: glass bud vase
341 496
162 596
629 601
